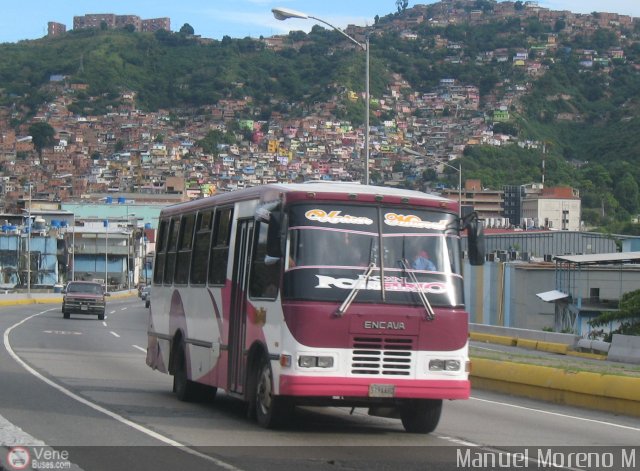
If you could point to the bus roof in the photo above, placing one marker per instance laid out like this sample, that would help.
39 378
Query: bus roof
330 190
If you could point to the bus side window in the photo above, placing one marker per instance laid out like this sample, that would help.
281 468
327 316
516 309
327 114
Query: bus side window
264 278
172 245
220 246
201 246
158 268
185 243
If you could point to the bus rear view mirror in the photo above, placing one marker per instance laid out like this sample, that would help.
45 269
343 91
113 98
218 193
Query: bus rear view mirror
268 214
475 238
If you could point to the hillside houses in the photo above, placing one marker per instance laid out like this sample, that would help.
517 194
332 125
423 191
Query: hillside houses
128 150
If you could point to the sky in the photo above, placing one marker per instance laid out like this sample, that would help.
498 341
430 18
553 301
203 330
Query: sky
27 19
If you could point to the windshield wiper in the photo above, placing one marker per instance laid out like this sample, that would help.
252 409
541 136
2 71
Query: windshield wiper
360 283
431 315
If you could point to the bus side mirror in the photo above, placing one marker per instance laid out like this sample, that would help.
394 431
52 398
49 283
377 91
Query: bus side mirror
268 214
274 247
475 238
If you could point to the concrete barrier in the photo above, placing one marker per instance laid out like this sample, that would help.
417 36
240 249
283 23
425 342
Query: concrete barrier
611 393
594 345
625 348
17 299
549 337
552 342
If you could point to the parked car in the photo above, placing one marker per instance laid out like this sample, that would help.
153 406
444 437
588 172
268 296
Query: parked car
84 297
145 295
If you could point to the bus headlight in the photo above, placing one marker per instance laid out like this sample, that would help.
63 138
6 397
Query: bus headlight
452 365
325 362
309 361
444 365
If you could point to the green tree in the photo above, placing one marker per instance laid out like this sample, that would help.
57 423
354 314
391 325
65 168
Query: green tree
626 192
628 316
42 135
187 29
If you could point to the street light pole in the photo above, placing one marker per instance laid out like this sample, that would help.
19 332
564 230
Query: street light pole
29 246
73 250
457 169
284 14
129 236
106 251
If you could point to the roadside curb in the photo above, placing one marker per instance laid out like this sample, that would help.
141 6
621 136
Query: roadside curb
17 302
53 299
611 393
531 344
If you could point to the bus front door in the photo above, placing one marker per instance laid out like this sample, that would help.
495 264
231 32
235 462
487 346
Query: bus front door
239 293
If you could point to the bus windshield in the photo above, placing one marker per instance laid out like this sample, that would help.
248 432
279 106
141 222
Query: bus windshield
331 246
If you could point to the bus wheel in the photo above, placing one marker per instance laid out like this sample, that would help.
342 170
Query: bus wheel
271 411
185 389
420 415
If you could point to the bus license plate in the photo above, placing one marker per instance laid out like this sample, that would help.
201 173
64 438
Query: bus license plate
382 390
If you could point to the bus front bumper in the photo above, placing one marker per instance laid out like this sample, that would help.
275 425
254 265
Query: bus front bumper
310 386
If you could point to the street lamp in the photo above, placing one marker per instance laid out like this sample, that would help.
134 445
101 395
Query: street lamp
457 169
284 14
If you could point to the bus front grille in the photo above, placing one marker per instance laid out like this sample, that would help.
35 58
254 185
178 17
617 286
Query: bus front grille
384 356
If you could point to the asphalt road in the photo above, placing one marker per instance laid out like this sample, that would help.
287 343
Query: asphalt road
81 386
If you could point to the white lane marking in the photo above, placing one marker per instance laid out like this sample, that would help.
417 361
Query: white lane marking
458 441
98 408
140 348
123 309
62 332
104 323
112 312
114 334
558 414
485 348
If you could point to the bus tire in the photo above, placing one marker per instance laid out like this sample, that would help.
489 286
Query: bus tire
185 389
420 415
271 411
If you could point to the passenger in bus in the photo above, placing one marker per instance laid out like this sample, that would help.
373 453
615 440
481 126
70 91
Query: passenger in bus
354 251
422 262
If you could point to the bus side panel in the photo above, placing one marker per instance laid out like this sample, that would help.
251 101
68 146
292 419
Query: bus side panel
159 343
214 318
202 328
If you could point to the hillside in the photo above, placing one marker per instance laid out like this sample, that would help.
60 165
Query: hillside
568 83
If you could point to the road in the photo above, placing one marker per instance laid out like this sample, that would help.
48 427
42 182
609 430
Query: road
81 386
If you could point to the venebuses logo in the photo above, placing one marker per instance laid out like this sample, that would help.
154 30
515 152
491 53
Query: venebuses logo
18 457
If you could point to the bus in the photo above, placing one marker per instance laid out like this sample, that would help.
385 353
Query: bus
308 294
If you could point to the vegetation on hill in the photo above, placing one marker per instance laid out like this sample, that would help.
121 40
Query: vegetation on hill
587 118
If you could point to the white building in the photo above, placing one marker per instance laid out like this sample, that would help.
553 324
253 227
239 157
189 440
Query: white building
557 208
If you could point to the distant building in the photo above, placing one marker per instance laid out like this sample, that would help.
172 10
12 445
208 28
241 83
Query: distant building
94 21
556 208
156 24
513 197
111 21
487 203
55 29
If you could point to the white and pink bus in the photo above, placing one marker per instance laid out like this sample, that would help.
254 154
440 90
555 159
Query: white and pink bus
315 294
